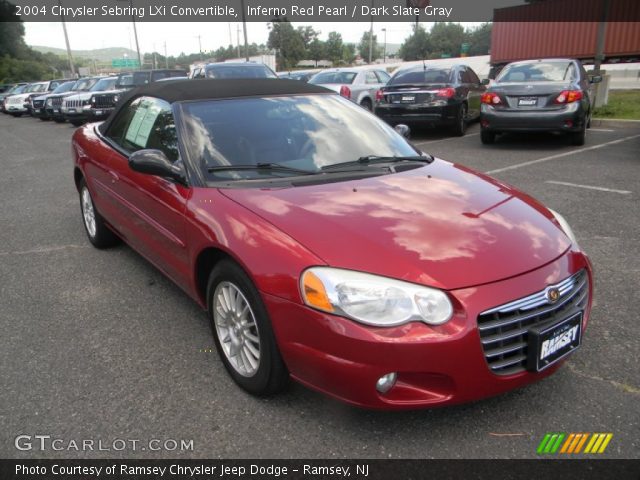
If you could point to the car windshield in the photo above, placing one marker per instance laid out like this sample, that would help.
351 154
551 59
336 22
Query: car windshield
134 79
65 87
239 71
305 132
84 84
17 89
104 84
421 76
333 77
537 72
36 87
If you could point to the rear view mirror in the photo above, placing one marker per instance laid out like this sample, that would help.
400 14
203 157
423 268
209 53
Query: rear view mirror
485 81
403 130
595 79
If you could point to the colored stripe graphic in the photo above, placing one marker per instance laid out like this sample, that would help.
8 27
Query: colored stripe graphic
572 443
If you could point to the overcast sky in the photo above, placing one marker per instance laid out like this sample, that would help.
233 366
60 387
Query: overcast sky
183 37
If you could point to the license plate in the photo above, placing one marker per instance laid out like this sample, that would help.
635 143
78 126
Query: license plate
55 110
72 110
408 98
527 102
98 112
548 344
37 110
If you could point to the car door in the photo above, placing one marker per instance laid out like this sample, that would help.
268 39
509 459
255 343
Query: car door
151 208
476 89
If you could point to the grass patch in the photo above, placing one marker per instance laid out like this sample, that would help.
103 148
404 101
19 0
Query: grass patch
624 104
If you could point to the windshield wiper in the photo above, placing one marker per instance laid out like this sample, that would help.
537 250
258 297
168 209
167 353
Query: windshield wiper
260 166
372 159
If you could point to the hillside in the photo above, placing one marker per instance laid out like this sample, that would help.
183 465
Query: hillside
101 54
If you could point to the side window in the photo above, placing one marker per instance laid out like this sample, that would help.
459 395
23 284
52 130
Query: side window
146 123
371 78
473 78
460 76
157 75
383 76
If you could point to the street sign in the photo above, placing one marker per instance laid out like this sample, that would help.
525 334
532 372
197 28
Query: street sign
124 63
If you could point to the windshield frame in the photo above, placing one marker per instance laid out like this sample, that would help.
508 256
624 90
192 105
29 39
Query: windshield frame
569 68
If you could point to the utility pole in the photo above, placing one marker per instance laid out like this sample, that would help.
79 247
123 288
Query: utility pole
384 55
238 39
230 35
602 30
66 40
244 27
166 59
135 34
371 35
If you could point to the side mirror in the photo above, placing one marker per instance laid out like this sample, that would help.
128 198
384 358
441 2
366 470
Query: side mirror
485 81
403 130
595 79
155 162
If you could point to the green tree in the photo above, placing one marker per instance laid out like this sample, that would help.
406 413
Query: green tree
317 50
479 39
363 47
417 46
446 39
334 47
349 53
288 42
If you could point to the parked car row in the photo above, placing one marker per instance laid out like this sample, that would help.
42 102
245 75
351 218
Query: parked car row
77 100
553 95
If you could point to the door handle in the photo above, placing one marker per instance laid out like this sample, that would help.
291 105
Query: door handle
114 176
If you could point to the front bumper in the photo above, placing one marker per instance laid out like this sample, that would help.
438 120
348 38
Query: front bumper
16 108
568 119
436 366
87 115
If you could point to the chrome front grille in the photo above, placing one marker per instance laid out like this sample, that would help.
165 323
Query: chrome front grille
104 101
38 103
504 330
68 103
56 102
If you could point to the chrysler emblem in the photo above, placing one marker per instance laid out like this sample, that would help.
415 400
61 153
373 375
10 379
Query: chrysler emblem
552 294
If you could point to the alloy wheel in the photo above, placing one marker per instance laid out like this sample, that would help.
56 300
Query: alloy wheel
88 213
236 328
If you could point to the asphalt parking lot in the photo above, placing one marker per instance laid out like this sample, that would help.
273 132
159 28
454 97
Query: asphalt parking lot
100 345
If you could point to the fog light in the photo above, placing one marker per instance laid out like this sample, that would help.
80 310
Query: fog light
484 123
386 382
568 123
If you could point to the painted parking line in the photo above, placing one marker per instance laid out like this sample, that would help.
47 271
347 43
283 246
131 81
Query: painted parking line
445 139
589 187
560 155
601 130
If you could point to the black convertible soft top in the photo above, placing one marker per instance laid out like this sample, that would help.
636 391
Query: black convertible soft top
211 88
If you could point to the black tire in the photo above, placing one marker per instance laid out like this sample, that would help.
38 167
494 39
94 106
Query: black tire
76 123
59 120
578 138
271 375
44 119
100 236
367 105
16 115
588 119
487 137
460 126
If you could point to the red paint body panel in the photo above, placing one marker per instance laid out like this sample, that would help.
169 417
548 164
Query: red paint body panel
441 225
447 227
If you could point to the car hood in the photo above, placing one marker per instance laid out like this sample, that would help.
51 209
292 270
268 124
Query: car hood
441 225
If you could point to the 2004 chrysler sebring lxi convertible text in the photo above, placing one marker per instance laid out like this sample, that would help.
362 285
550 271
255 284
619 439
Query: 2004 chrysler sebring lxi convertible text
326 248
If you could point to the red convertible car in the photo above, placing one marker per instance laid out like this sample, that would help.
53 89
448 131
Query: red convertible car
326 248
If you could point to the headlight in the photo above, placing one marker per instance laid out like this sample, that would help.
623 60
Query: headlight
374 300
565 227
49 102
115 99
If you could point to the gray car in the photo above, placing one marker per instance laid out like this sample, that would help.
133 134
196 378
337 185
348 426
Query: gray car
358 84
554 95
